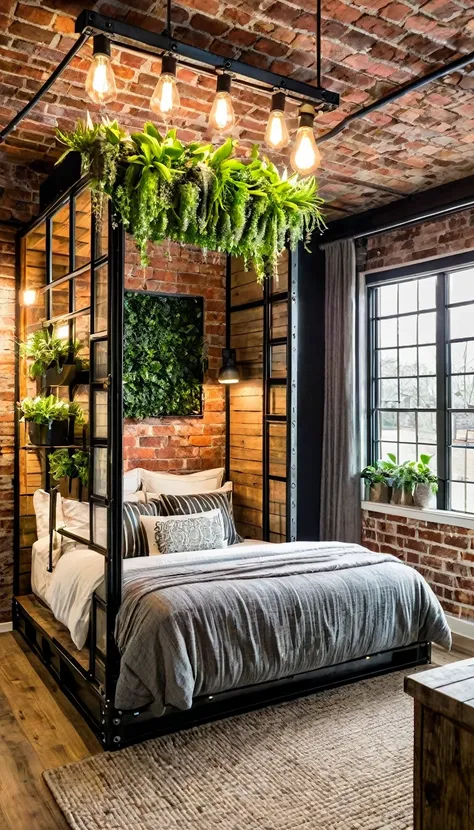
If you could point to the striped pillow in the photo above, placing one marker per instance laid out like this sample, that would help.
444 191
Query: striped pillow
168 505
134 541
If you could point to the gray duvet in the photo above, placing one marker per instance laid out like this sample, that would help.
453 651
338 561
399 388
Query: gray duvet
202 623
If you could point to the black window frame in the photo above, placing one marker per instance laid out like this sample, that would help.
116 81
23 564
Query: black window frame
440 268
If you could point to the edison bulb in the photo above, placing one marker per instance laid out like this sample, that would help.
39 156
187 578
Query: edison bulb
100 82
222 116
305 158
276 134
165 99
29 296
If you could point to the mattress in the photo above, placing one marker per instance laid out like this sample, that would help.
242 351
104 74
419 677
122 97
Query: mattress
40 576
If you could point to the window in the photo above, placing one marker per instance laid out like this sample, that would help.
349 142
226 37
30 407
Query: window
421 373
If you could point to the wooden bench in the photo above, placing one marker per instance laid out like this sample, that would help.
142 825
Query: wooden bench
444 746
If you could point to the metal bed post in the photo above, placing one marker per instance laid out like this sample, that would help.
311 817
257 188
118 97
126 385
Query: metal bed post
113 566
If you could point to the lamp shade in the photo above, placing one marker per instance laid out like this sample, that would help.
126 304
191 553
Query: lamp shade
228 372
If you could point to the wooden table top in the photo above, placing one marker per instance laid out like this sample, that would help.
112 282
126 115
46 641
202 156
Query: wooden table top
448 690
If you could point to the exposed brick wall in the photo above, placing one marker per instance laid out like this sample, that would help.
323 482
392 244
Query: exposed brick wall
439 237
183 444
7 401
443 554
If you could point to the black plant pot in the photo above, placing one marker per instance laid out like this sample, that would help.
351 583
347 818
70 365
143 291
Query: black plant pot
62 378
56 434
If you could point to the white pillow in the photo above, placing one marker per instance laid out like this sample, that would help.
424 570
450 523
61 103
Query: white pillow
131 481
76 520
224 489
182 485
41 501
139 496
179 534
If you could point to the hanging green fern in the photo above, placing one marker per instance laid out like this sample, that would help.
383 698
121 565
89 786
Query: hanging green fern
163 189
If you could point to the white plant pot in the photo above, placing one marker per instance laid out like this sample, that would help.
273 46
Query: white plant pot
422 496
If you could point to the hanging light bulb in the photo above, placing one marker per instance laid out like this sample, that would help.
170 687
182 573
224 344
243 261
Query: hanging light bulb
165 99
62 332
276 134
222 116
29 296
305 158
100 81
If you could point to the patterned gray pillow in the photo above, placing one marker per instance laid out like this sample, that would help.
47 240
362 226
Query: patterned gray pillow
199 531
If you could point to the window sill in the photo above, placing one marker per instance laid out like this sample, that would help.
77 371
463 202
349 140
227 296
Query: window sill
445 517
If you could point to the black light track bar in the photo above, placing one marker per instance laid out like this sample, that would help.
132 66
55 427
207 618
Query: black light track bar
142 40
46 86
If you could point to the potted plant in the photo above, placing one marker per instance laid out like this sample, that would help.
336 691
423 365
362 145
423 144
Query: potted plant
403 483
48 419
71 470
376 482
50 355
426 482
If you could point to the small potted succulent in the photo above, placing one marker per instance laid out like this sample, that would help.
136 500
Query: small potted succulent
376 482
48 419
53 358
426 482
71 471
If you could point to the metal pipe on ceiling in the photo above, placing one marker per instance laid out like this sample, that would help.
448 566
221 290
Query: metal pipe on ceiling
418 83
46 86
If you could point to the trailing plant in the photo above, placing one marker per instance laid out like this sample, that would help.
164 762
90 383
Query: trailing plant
162 360
47 350
162 188
62 464
46 409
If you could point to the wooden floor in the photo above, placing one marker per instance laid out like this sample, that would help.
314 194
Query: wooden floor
39 730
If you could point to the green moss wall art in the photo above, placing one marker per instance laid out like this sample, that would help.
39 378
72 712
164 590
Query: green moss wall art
162 188
163 355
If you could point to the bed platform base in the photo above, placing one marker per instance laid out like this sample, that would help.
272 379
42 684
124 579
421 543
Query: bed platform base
116 729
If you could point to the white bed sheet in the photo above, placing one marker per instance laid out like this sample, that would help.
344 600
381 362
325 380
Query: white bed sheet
40 576
79 573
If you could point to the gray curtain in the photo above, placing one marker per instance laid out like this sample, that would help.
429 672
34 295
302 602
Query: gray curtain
340 485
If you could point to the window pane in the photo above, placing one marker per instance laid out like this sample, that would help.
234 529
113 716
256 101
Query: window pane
388 394
427 360
461 322
427 393
427 293
408 393
83 228
462 356
388 426
82 291
60 300
277 510
60 242
279 322
100 471
101 304
387 297
462 391
386 447
457 496
408 365
100 360
277 400
388 363
408 427
100 414
277 449
427 328
428 449
278 361
407 296
427 427
407 452
407 330
470 498
99 525
458 464
387 333
462 428
461 286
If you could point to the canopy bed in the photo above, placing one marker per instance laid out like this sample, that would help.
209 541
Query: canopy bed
240 623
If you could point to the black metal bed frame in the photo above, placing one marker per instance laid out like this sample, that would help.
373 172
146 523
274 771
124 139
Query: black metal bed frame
92 689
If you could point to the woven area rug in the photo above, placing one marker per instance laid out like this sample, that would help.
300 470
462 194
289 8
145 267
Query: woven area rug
338 760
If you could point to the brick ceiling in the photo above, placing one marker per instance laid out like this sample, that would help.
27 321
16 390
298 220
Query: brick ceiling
369 48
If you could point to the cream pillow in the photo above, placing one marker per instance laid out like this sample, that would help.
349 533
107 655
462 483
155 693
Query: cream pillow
187 484
228 486
76 520
179 534
131 481
139 496
41 502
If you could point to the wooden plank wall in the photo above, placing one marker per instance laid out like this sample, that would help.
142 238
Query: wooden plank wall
246 403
